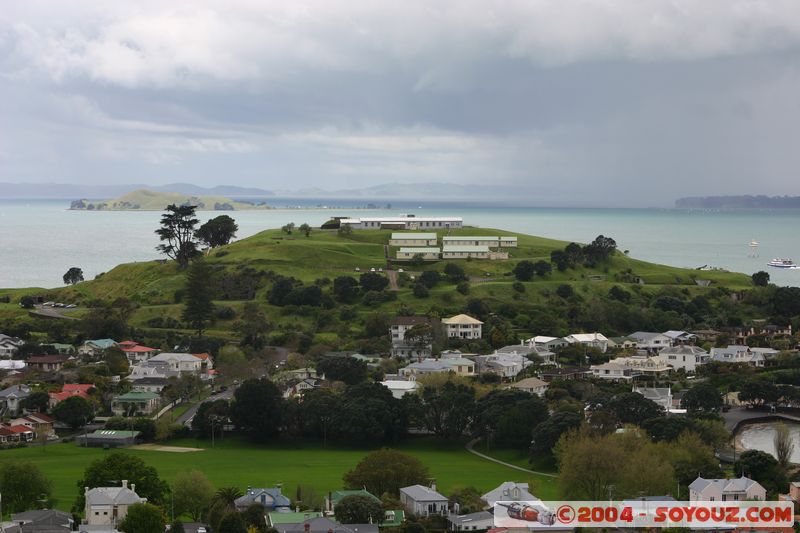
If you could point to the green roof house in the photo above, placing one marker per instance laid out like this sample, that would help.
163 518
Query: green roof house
336 496
135 404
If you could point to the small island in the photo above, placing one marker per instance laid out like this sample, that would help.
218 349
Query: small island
148 200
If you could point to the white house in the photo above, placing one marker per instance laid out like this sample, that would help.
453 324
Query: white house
426 253
528 349
11 398
407 222
413 239
466 240
548 343
462 327
423 501
505 365
397 332
630 367
138 372
458 366
651 341
508 491
177 362
463 251
400 388
480 521
726 490
736 353
530 385
684 356
681 337
95 347
592 340
108 505
9 345
660 395
136 353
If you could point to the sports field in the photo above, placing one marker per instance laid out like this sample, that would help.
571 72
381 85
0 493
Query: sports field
236 462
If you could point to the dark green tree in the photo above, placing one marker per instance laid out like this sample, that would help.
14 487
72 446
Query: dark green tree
345 289
633 408
346 369
358 509
232 523
468 499
429 278
202 421
524 270
177 233
702 397
74 275
198 307
454 273
447 410
546 434
368 413
27 302
253 326
372 281
143 518
386 470
305 229
218 231
762 467
542 268
22 486
565 291
37 401
257 409
74 411
760 278
420 290
118 466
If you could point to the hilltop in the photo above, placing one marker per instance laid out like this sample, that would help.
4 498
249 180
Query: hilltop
618 296
150 200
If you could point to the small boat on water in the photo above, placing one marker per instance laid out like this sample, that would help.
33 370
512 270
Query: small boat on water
782 263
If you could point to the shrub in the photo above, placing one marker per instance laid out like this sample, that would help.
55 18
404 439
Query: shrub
518 286
421 291
463 288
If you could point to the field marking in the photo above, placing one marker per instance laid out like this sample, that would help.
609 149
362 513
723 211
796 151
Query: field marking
159 448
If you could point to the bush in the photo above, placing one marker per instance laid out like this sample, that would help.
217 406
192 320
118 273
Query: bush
225 313
565 291
429 278
463 288
518 286
421 291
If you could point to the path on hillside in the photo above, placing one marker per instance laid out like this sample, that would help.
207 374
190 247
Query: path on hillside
52 312
392 275
470 447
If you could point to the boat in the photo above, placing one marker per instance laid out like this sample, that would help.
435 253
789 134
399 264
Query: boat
782 263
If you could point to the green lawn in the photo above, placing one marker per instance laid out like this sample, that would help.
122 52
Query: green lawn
237 462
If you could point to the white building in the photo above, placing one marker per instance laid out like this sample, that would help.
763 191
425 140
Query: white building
397 333
660 395
9 345
505 365
742 354
177 362
651 341
726 490
400 388
423 501
680 337
547 343
480 521
530 385
413 239
426 253
407 222
462 327
625 368
108 505
459 367
591 340
684 356
464 251
509 491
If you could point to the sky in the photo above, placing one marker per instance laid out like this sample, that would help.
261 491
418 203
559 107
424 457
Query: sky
565 102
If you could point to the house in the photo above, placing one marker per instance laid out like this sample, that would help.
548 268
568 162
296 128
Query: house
660 395
613 371
462 327
623 343
9 346
403 222
461 367
530 351
333 498
20 433
681 337
184 363
508 491
270 498
298 387
413 240
108 438
726 490
11 398
48 363
63 349
423 501
325 525
42 521
463 251
630 367
400 388
397 331
95 347
138 372
41 424
149 384
684 357
547 343
505 365
288 518
566 373
792 496
530 385
471 240
650 341
480 521
735 353
109 505
136 353
68 390
591 340
424 253
135 403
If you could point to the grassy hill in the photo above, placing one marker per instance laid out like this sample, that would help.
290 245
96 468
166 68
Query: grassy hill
324 255
148 200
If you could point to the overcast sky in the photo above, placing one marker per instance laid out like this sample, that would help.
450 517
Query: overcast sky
604 101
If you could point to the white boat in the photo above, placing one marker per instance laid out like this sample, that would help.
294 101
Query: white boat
782 263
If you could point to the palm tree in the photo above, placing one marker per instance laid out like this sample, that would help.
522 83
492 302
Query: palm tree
227 496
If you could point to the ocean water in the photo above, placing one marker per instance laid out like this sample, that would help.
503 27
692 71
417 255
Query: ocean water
761 437
41 239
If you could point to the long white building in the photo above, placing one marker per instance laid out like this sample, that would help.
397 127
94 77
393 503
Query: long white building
407 222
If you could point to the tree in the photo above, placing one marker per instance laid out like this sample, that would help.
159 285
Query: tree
22 486
117 361
253 326
447 410
192 493
257 409
547 433
565 291
177 231
74 411
702 397
288 228
198 308
372 281
74 275
419 336
429 278
762 467
143 518
386 470
760 278
524 270
120 466
27 302
633 408
345 289
468 499
305 229
359 509
217 231
202 420
231 523
454 273
368 413
346 369
784 445
542 268
223 503
420 291
37 401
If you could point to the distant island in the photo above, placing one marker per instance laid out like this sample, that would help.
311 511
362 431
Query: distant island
149 200
738 202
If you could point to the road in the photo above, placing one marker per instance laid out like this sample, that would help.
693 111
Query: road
52 312
470 447
186 417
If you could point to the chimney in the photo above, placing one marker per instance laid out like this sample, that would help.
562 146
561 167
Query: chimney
124 483
85 490
433 485
133 487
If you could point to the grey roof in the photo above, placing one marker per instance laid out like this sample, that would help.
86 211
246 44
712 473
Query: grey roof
509 490
15 391
325 525
421 493
683 349
724 485
43 517
254 495
673 334
112 496
472 517
644 336
169 356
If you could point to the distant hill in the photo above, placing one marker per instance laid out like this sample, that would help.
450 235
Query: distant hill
739 202
149 200
72 191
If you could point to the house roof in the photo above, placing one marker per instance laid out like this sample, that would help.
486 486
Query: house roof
279 518
463 248
587 337
644 336
741 484
326 525
169 356
396 384
113 434
414 236
72 387
462 238
337 495
466 519
420 250
461 320
112 496
421 493
47 359
19 428
674 334
509 490
529 383
43 517
136 397
37 418
254 495
410 320
138 349
202 356
102 343
15 391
